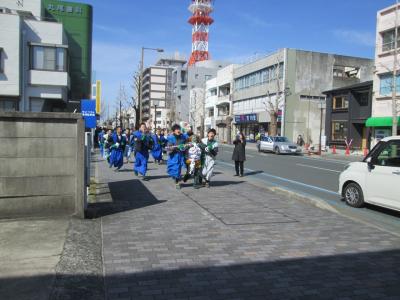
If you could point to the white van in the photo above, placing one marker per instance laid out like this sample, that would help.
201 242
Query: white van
375 180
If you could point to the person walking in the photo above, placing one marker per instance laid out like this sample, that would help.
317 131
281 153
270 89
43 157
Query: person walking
143 144
239 154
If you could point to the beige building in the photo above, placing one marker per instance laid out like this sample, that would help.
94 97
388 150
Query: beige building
381 120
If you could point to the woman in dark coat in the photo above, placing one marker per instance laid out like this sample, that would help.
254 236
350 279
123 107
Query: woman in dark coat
239 154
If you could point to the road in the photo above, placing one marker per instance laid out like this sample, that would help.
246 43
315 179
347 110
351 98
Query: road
314 176
308 177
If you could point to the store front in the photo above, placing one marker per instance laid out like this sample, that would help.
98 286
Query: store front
381 128
249 124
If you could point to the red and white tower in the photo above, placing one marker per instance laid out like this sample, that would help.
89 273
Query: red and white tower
201 21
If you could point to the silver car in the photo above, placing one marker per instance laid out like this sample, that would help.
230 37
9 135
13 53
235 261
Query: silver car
278 145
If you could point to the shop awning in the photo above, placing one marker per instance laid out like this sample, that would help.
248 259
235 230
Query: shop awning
380 122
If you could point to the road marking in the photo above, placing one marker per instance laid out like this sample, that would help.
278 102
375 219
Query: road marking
301 165
288 180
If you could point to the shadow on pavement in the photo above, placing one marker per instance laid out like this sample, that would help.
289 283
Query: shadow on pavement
253 173
213 183
373 275
126 195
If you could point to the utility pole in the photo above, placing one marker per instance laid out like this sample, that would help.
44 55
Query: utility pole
394 79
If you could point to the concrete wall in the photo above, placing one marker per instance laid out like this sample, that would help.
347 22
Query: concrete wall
41 164
310 74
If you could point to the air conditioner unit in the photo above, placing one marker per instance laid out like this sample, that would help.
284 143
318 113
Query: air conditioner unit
5 10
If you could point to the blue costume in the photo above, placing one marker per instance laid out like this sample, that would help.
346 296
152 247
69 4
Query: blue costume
158 145
117 151
143 143
176 156
101 143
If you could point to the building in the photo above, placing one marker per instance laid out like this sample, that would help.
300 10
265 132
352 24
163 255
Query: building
293 82
186 78
77 20
158 101
33 58
382 116
347 110
218 104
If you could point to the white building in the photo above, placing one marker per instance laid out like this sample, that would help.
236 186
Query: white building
381 120
33 59
218 104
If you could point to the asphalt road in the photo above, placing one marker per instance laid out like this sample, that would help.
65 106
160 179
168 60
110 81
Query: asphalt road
314 176
310 178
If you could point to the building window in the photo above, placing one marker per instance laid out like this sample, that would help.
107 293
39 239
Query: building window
340 102
158 114
49 58
213 92
260 77
339 131
386 84
8 105
388 40
346 72
1 61
211 112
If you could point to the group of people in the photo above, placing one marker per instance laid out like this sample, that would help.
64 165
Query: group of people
185 151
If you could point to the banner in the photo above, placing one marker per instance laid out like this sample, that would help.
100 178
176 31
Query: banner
98 97
88 109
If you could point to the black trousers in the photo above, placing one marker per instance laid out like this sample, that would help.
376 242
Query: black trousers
239 166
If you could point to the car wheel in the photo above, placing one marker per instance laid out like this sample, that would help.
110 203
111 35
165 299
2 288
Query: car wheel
277 150
353 195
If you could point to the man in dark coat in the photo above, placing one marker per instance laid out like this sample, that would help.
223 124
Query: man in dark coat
239 154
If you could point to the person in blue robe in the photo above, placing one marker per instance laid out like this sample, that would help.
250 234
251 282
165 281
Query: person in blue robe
100 140
143 143
117 149
158 145
176 147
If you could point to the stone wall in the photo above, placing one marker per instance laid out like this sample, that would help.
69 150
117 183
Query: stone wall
41 164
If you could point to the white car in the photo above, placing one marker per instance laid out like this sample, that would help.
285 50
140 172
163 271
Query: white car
375 180
278 145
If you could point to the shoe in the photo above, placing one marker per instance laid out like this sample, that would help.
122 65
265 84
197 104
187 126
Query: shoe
203 184
186 177
207 184
236 175
241 175
178 186
145 178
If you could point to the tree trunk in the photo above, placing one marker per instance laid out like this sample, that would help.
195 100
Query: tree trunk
274 124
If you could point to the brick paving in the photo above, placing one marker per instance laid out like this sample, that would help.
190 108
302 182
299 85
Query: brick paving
234 241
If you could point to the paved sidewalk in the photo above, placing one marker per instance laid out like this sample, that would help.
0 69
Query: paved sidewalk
234 241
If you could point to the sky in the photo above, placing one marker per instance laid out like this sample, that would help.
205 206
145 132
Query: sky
243 29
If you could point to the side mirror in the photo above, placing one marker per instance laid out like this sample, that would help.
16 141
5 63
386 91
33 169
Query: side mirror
370 164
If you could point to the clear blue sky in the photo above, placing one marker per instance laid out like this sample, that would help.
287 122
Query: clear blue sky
241 29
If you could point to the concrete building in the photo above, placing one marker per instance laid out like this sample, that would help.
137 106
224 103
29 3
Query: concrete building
45 55
186 78
295 81
381 121
34 59
218 105
158 101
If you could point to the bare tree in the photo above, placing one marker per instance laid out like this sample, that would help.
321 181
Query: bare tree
134 100
274 102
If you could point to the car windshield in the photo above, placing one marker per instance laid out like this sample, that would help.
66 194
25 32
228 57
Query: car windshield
281 139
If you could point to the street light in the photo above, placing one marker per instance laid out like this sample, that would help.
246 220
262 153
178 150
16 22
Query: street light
159 50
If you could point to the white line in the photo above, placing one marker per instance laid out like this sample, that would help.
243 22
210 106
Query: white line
301 165
287 180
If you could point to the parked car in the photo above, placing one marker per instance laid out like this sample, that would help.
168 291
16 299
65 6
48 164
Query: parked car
376 179
278 145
